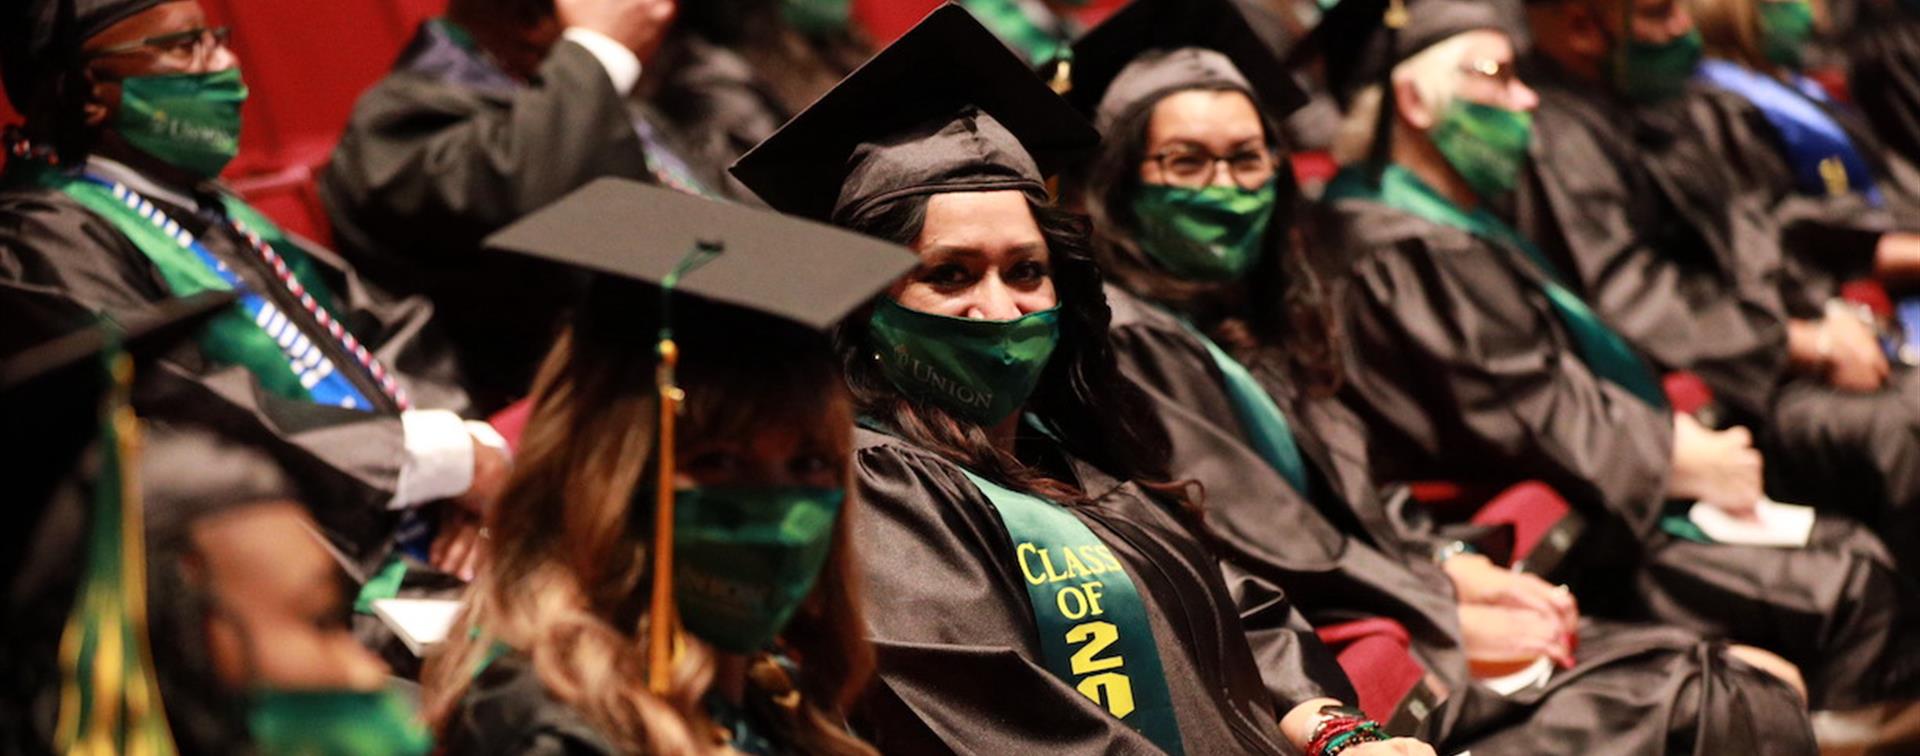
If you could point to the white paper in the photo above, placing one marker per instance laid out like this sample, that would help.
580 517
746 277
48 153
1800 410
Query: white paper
1535 675
1773 524
420 623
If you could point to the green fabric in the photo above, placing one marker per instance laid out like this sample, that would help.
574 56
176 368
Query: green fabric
1605 352
1677 523
332 722
110 694
1216 233
818 17
232 338
189 121
456 33
1786 26
1648 72
384 584
1008 21
980 370
1486 145
746 558
1265 426
1092 623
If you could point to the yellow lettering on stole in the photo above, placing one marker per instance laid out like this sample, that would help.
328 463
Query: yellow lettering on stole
1111 689
1074 567
1026 568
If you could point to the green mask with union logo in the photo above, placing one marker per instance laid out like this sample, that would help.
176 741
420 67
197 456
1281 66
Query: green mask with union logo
978 370
1486 145
189 121
1215 233
1648 72
745 558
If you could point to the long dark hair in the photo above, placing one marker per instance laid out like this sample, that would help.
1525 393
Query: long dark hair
1279 312
1100 417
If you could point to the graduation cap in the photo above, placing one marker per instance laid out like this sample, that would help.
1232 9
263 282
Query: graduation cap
58 402
1152 48
1362 41
741 278
37 37
948 107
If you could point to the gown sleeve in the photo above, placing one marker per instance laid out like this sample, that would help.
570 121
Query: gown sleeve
956 641
429 162
1456 358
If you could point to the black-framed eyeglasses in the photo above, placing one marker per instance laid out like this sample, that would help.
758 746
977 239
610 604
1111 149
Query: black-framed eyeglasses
189 42
1196 168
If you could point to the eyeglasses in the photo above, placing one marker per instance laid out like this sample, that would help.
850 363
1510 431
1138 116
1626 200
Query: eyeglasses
191 42
1194 168
1499 73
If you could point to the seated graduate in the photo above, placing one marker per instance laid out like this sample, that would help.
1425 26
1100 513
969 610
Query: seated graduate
1468 360
1033 582
110 204
493 111
1642 190
167 591
731 71
1221 321
570 641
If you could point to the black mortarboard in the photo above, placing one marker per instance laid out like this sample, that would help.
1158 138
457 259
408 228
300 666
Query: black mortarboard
634 236
1360 48
38 37
947 107
1154 47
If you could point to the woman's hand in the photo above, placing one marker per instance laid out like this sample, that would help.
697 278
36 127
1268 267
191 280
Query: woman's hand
1501 640
1394 747
1477 580
1720 468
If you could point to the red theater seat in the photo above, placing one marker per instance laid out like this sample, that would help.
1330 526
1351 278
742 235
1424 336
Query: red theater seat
1377 656
1531 508
1687 392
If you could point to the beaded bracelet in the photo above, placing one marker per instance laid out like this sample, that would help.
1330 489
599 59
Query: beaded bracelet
1339 734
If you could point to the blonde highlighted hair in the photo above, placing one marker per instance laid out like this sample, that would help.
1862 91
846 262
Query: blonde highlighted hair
566 586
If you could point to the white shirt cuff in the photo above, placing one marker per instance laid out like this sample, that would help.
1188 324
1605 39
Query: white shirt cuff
623 67
439 457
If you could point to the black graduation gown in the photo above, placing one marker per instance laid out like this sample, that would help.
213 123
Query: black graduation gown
960 668
448 149
1689 262
507 711
57 255
1629 692
1883 74
1462 371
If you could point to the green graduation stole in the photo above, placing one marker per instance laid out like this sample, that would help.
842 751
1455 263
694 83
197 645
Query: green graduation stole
1093 626
231 338
1605 352
1266 427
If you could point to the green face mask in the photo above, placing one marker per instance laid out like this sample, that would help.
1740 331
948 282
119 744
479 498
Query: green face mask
745 558
818 16
1647 72
980 370
335 723
1212 234
1486 145
1787 27
190 121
